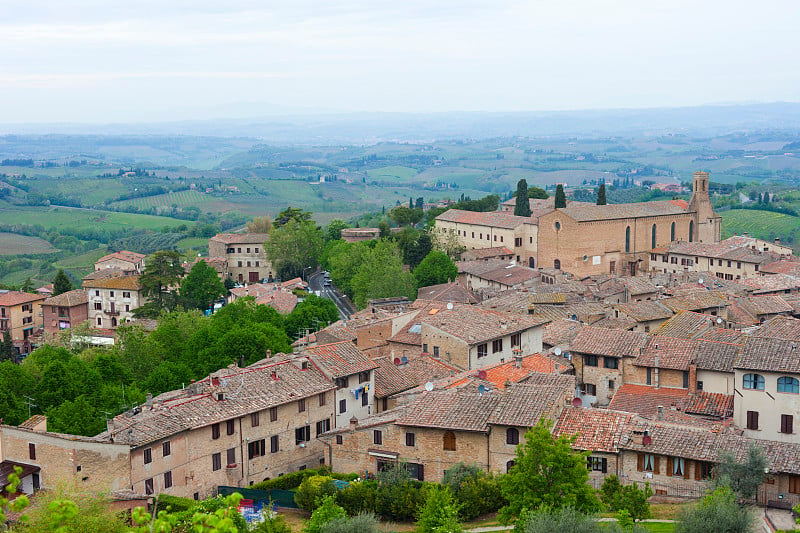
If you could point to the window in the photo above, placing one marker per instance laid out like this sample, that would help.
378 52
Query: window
363 376
32 451
702 470
238 250
677 466
99 321
794 484
321 399
672 232
610 362
497 345
691 231
230 427
510 465
436 351
647 462
166 449
302 434
649 376
590 389
97 293
512 436
216 461
653 237
410 439
148 486
254 421
339 439
301 405
627 239
449 441
342 383
273 444
788 384
516 339
256 449
323 426
425 347
483 350
111 294
590 360
273 414
231 456
342 406
98 306
126 294
248 250
416 470
239 263
699 385
787 424
167 480
597 464
148 456
214 431
517 241
364 399
611 384
752 419
685 379
377 436
753 382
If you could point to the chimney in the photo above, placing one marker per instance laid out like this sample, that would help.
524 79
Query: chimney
274 375
655 370
777 240
149 400
269 353
637 437
692 378
660 412
517 361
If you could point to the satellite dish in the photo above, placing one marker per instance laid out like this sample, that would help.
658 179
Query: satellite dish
404 359
397 361
429 386
557 351
700 281
481 374
450 305
719 320
482 388
576 402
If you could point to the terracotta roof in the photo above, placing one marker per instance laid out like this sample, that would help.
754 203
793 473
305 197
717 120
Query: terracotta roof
339 359
494 219
645 311
547 298
730 336
597 430
772 283
463 409
523 404
710 404
608 342
391 378
256 290
130 283
638 285
790 267
474 325
241 238
282 301
561 331
675 354
769 355
482 253
104 273
727 250
122 255
33 421
739 315
12 298
719 356
68 299
581 311
447 292
765 305
780 327
644 399
686 325
590 212
695 301
622 323
505 274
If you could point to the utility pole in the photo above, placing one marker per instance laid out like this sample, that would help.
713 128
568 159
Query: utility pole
30 404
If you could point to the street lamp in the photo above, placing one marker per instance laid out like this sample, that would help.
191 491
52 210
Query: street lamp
304 273
766 473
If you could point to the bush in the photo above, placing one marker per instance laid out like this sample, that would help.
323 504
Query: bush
312 490
566 520
400 502
440 512
359 497
175 504
476 492
718 511
360 523
629 498
327 511
272 523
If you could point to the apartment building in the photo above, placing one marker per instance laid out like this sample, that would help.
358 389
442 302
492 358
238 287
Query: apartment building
21 317
65 311
244 253
111 300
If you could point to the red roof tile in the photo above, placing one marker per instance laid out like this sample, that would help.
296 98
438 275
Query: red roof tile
598 430
644 400
339 359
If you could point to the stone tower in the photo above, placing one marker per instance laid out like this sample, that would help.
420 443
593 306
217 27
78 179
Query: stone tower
707 225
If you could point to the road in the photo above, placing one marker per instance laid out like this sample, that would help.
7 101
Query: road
316 283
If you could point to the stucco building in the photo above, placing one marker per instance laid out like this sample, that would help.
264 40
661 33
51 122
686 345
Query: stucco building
245 256
21 316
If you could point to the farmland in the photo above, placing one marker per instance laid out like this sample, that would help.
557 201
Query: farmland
16 244
761 224
83 219
178 199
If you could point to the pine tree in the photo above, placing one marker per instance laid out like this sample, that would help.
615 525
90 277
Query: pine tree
410 203
561 198
61 283
601 195
523 206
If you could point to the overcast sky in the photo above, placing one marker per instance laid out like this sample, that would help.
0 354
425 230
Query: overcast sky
109 60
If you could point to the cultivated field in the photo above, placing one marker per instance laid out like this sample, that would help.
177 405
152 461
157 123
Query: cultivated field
16 244
83 219
761 224
179 199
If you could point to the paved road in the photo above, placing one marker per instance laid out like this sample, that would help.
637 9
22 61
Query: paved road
316 282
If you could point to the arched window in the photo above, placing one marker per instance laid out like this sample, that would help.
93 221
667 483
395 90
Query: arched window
788 384
509 466
672 232
113 322
628 239
531 262
557 264
653 237
449 441
753 382
512 436
691 231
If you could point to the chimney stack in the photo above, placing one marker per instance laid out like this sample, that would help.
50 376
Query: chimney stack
149 400
692 378
660 412
655 370
517 361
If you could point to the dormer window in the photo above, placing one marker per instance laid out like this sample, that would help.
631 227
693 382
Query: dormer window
753 382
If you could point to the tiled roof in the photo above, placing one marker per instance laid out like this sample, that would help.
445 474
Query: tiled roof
130 283
473 325
122 255
719 356
256 290
447 292
769 355
710 404
740 315
721 250
730 336
622 323
482 253
590 212
638 285
495 219
780 327
686 325
610 342
463 409
598 430
548 298
561 331
645 311
581 311
68 299
783 266
644 399
765 305
11 298
339 359
245 390
391 378
241 238
771 283
505 274
282 301
672 353
32 422
523 404
695 301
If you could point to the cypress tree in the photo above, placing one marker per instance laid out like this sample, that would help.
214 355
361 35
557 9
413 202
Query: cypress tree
61 283
601 195
561 198
523 206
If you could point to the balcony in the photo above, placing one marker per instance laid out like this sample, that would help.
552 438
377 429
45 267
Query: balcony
112 312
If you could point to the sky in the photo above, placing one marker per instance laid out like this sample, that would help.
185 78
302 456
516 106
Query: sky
101 61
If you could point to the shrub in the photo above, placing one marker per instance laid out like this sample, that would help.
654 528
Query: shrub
567 520
327 511
718 511
400 501
359 497
360 523
272 523
629 498
175 504
293 479
311 491
476 492
440 512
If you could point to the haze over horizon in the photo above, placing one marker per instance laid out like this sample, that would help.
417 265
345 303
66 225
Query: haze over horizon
92 62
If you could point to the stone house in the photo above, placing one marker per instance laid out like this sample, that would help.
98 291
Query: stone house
21 317
65 311
130 263
111 300
245 256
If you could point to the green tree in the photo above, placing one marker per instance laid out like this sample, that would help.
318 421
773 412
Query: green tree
522 208
419 203
291 213
744 477
312 490
440 512
476 492
326 511
259 225
414 245
717 511
629 498
159 282
436 268
294 246
314 313
61 283
7 351
384 228
381 275
405 216
201 287
547 472
601 194
561 198
537 192
333 231
27 286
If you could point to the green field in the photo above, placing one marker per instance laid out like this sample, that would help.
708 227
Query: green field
393 172
193 243
179 199
761 224
81 219
16 244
